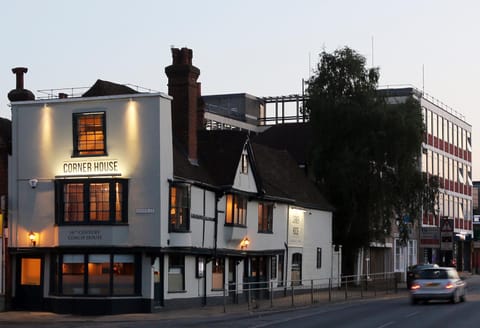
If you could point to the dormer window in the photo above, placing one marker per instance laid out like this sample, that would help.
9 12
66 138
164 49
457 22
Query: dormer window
244 164
89 137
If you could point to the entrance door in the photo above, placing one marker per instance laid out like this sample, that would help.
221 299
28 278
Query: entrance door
29 286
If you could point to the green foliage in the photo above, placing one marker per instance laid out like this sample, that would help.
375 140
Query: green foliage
366 150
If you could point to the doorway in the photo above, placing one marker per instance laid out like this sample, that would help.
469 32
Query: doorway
296 269
29 286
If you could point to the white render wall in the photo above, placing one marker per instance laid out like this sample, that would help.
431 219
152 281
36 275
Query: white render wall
43 141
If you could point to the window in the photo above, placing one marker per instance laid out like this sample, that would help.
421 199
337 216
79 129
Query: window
218 268
123 274
93 201
265 217
244 167
176 273
319 258
179 219
236 212
98 274
89 134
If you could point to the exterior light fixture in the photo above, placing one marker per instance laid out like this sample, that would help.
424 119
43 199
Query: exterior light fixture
244 243
33 238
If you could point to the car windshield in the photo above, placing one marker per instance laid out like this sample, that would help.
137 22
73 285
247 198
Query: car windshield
433 274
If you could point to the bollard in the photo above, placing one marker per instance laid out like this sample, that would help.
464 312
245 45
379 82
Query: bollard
311 293
271 294
329 289
293 296
224 299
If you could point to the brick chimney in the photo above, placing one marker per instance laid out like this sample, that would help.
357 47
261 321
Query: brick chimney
19 93
185 90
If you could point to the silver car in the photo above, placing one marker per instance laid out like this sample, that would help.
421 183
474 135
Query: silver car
438 284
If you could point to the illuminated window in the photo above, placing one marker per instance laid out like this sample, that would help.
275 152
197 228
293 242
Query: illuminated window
236 211
98 274
179 208
73 269
31 269
91 201
89 134
244 167
265 217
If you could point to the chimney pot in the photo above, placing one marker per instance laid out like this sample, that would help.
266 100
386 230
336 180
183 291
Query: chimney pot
19 93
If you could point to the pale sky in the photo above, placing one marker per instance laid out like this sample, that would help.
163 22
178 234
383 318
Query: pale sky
264 48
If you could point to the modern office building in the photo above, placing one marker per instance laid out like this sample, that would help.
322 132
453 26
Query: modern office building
119 201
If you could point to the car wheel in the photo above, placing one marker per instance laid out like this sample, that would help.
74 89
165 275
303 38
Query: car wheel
455 298
413 301
463 298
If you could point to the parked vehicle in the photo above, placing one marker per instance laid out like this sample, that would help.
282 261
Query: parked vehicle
442 283
414 269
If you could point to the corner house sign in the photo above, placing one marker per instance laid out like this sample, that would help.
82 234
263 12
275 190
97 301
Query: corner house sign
90 167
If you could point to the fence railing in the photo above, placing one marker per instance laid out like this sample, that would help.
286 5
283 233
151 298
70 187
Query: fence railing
250 296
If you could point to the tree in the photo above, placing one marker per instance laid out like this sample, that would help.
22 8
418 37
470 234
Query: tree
365 151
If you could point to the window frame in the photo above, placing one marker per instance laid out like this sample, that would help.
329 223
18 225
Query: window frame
183 227
175 265
244 164
319 257
235 215
60 195
57 287
265 217
77 152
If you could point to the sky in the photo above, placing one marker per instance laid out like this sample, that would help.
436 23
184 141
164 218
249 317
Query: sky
261 47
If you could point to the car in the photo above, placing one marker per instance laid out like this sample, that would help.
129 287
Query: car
413 270
442 283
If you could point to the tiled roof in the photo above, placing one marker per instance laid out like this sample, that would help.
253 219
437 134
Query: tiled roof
282 177
292 137
220 152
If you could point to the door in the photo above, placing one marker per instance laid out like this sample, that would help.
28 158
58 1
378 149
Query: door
29 286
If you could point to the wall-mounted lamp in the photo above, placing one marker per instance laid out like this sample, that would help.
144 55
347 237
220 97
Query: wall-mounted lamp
244 243
33 238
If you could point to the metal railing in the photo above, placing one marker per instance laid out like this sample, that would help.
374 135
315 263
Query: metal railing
251 296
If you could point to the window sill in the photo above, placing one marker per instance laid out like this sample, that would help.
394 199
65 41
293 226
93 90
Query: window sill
88 155
266 232
179 231
235 225
217 289
91 224
177 291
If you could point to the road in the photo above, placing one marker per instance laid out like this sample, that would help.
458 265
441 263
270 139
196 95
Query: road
392 311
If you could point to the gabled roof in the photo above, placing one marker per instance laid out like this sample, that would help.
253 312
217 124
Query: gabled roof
276 173
220 152
107 88
282 178
292 137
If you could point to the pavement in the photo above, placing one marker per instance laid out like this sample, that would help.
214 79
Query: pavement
170 314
